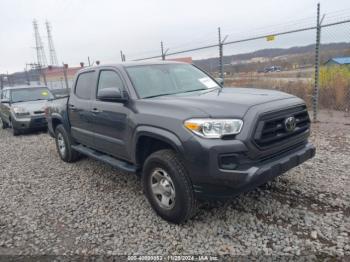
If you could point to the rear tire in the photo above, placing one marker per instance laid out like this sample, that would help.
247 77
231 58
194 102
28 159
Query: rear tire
168 187
64 145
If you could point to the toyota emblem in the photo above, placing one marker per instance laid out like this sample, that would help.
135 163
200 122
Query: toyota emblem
290 123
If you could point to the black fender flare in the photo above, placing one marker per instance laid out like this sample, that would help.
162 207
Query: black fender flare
157 133
63 120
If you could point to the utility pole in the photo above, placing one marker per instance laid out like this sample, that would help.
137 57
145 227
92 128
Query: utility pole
65 68
1 82
9 82
317 64
27 76
53 56
89 61
221 61
162 50
122 56
42 73
221 54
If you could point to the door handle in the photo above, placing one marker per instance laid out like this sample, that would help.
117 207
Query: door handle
95 110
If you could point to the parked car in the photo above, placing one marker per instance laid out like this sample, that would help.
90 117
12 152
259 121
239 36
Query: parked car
188 137
22 108
272 69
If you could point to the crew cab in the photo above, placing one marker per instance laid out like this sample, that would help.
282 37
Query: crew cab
187 136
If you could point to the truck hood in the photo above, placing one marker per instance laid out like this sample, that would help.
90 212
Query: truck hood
232 102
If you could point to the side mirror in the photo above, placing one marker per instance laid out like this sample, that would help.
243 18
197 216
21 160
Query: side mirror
112 94
220 80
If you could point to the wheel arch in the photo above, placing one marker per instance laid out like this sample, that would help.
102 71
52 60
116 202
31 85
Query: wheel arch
149 139
56 120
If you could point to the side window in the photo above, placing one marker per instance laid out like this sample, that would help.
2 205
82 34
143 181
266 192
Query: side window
109 78
84 85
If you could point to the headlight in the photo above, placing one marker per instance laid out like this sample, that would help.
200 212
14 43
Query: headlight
214 128
20 111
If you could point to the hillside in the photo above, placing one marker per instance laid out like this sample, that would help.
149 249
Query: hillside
286 57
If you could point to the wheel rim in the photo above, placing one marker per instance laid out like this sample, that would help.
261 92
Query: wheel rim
162 188
61 144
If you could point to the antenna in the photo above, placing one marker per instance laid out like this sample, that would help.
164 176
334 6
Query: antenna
53 56
39 46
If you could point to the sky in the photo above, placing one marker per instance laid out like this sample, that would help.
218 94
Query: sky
101 28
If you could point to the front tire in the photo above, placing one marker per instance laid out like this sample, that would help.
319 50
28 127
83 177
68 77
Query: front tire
4 125
168 187
15 131
64 145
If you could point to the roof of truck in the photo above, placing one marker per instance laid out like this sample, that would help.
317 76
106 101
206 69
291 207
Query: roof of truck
125 64
132 63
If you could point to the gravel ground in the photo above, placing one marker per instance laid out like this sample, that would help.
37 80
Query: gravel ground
50 207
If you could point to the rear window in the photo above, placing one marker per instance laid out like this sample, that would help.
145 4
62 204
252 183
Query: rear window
84 85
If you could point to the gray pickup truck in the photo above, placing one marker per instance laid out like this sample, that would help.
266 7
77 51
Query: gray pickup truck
187 136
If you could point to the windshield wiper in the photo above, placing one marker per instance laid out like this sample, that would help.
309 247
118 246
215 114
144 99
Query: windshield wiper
212 89
188 91
166 94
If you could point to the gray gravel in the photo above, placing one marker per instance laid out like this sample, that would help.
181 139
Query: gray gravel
50 207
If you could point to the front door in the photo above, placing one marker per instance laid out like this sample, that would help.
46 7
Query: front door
110 119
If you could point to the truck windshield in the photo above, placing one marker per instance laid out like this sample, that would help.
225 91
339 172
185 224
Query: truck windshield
158 80
30 94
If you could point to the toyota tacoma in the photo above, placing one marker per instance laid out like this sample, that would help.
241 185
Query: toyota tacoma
187 136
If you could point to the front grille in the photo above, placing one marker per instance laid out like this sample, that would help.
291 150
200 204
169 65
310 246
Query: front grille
39 112
271 128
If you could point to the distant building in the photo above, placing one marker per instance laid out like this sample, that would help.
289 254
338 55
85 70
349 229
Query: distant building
30 77
55 77
338 61
181 59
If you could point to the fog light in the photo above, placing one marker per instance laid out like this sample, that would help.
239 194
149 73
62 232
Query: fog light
228 162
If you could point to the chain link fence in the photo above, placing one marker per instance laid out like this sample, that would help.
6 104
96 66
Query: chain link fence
274 62
334 74
311 62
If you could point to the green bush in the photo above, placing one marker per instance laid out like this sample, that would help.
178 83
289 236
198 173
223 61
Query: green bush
335 87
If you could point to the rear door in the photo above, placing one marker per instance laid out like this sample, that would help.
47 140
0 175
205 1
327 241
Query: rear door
110 119
79 108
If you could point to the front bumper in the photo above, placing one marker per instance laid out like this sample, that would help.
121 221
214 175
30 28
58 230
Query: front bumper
33 122
228 183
